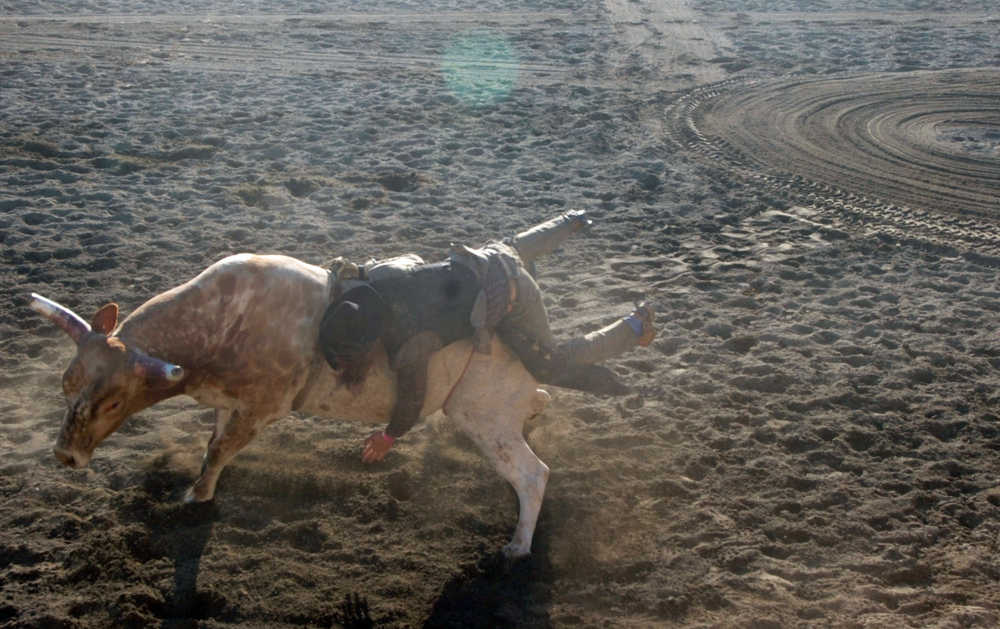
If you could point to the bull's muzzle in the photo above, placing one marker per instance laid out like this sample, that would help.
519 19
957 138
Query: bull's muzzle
71 458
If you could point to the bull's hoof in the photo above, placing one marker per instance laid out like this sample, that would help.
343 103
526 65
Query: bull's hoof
512 551
191 496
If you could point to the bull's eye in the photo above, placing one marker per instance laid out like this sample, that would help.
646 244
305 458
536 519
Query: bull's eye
110 406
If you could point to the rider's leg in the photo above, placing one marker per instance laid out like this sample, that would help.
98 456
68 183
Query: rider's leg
542 239
529 336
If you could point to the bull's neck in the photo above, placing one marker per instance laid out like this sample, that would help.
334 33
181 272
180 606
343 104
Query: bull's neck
174 327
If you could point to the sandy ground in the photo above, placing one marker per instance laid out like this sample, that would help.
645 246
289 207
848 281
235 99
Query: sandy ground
807 188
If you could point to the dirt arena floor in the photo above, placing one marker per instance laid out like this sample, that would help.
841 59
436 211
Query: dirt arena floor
808 189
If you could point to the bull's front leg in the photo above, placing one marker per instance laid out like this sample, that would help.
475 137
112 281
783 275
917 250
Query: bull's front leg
233 430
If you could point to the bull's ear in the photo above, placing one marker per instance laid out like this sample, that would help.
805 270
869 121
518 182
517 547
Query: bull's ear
106 319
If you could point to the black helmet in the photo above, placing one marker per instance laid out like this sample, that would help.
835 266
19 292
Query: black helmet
352 324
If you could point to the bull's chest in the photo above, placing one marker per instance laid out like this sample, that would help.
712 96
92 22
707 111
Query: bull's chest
213 396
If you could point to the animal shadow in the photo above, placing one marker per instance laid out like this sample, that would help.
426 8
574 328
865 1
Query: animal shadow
179 532
496 593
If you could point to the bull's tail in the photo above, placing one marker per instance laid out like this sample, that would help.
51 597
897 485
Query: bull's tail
545 238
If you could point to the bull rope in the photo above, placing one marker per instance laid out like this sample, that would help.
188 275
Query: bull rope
457 382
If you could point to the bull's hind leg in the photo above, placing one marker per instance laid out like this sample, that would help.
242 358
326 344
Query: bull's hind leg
233 431
498 434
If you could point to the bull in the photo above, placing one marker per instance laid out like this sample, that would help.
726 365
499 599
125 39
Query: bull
241 338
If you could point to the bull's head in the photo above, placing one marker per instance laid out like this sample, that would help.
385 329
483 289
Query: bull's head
106 381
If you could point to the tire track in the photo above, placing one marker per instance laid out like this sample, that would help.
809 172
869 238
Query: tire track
88 37
228 58
915 156
404 17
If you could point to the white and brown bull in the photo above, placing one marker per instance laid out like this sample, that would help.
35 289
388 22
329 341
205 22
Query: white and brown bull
241 337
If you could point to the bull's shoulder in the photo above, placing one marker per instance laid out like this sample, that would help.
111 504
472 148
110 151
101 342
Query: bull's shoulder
261 271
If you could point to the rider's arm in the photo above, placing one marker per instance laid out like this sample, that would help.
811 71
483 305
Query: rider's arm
411 381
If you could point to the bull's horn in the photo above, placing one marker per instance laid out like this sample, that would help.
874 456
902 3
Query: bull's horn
62 316
156 369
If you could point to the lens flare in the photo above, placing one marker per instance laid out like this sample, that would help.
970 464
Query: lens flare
480 67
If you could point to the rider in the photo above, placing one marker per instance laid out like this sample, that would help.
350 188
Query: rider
472 294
